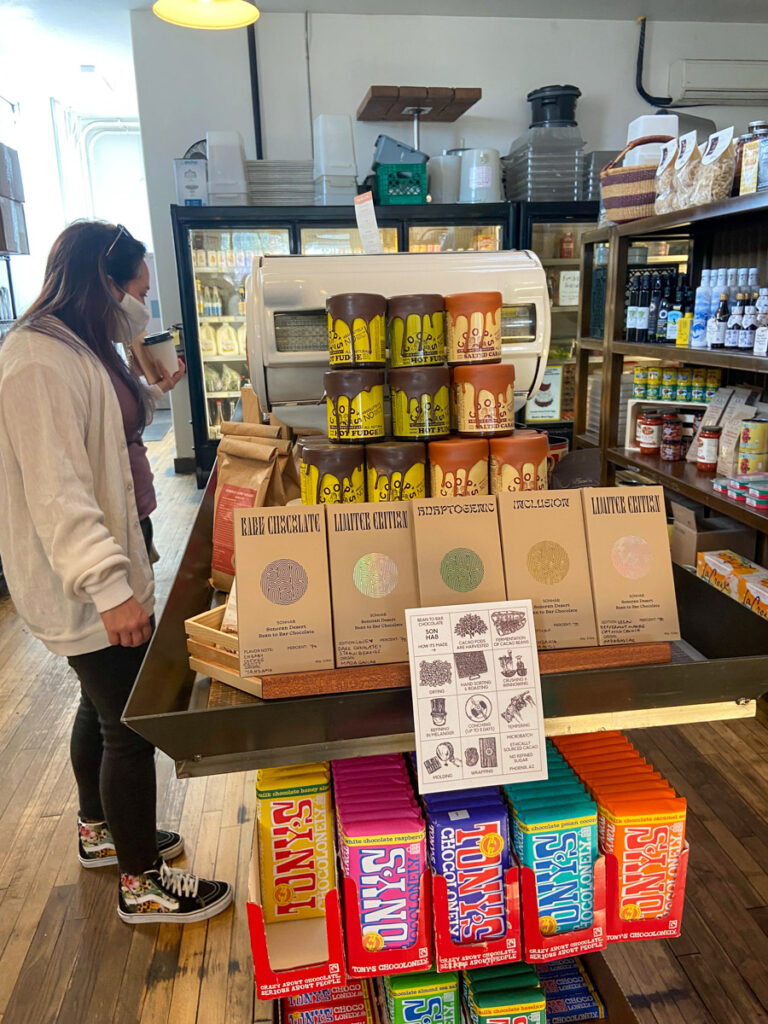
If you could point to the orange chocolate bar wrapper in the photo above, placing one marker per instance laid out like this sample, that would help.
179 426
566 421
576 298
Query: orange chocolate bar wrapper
647 837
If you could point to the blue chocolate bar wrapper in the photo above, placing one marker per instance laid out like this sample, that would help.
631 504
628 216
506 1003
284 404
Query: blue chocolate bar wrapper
470 849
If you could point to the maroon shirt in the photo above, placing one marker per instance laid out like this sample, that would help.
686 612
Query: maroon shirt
133 416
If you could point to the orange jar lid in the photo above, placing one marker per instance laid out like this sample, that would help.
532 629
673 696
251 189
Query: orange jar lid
456 453
493 377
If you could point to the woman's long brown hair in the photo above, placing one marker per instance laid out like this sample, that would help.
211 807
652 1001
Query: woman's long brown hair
76 292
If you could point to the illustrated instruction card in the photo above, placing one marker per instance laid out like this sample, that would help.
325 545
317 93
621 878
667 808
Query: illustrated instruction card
476 695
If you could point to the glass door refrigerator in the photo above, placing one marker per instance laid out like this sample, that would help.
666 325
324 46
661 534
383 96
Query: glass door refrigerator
553 231
217 245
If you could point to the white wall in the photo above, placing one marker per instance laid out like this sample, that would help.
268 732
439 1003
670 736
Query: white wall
187 82
507 57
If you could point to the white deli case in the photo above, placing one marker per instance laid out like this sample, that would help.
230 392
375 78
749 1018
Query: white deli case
287 332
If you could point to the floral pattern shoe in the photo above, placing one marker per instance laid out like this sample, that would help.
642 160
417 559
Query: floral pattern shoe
170 895
96 848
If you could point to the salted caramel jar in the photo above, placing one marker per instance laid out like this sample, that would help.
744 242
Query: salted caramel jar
458 467
485 399
420 402
333 475
416 326
396 470
519 462
355 405
473 327
357 329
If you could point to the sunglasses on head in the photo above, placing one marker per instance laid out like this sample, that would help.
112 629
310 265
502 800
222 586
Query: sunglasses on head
120 232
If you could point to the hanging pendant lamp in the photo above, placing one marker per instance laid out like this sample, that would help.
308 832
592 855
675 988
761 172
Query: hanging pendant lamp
210 14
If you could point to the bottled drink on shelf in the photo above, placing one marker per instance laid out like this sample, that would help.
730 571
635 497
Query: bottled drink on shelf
632 309
717 284
742 284
718 324
664 307
199 298
752 282
676 309
242 340
653 307
208 341
241 302
748 326
734 327
218 419
732 285
567 246
701 304
761 335
643 309
207 302
226 341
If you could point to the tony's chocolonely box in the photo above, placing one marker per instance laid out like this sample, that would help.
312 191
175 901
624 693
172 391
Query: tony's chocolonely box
373 580
458 550
545 559
283 596
630 564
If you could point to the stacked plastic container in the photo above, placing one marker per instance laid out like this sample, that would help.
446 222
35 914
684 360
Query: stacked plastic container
547 163
335 171
227 184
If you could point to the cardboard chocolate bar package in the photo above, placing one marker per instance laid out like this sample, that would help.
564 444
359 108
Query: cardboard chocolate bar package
283 596
545 559
373 580
630 565
458 550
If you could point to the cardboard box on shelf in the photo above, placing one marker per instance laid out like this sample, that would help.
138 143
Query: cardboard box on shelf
545 559
191 182
753 593
283 595
11 185
692 533
373 581
723 569
13 228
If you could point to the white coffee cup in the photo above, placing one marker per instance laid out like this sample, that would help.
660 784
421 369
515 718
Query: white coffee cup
161 349
480 176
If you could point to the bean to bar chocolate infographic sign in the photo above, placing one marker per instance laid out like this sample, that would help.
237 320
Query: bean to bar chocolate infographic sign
476 695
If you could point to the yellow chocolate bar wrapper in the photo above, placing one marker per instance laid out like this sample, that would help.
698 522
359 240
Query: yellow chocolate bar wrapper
296 853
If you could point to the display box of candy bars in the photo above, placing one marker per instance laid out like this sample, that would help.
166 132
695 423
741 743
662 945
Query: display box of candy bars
454 956
539 947
624 922
367 956
294 956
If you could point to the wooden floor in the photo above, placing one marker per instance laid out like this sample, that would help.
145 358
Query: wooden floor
66 957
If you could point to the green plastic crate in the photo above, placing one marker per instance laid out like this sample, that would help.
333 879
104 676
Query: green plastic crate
401 184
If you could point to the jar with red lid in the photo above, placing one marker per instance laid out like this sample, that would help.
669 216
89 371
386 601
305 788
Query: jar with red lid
708 449
650 434
671 428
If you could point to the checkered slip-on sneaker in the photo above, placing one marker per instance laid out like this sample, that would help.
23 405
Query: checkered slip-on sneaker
96 848
170 895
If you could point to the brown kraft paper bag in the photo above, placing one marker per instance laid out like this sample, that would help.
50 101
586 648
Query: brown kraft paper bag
286 462
247 477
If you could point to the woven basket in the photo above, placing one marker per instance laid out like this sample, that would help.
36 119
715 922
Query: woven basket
628 193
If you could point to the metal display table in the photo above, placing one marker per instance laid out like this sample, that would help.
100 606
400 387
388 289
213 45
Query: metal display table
169 703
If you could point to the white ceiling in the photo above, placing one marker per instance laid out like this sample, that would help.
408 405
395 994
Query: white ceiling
49 39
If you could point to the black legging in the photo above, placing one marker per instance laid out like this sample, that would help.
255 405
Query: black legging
114 767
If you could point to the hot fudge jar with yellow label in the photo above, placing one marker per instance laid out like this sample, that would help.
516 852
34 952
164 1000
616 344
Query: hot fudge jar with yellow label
357 329
396 470
485 399
416 326
458 467
473 327
332 474
420 402
355 405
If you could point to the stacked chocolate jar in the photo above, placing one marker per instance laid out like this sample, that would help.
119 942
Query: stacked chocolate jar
448 421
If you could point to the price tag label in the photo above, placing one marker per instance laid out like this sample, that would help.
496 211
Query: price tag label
365 214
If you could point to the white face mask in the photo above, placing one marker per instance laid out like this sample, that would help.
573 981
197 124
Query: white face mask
133 321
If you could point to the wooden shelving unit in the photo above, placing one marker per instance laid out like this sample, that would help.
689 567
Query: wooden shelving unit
733 232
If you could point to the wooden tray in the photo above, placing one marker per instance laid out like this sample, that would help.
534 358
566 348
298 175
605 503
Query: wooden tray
216 654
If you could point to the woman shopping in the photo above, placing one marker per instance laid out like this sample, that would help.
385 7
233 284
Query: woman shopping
76 496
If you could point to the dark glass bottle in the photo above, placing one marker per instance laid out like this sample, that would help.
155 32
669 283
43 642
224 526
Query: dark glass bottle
664 307
653 307
634 286
643 304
